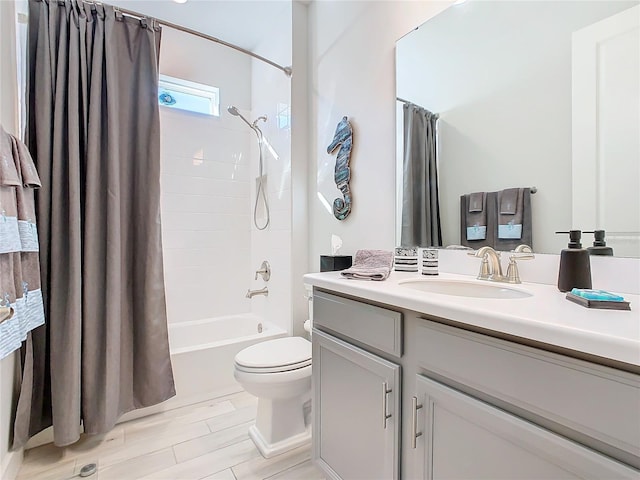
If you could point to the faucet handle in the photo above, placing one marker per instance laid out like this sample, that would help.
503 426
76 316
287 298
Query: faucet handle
522 252
513 276
523 248
485 270
265 271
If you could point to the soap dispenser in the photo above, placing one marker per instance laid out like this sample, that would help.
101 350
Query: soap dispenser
575 266
599 245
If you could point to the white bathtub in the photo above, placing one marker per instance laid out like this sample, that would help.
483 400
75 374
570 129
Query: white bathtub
202 353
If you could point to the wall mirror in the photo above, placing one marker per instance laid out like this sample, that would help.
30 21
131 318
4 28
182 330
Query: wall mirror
532 93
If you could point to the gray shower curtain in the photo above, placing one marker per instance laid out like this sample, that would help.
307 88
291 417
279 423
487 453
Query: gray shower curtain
420 200
93 130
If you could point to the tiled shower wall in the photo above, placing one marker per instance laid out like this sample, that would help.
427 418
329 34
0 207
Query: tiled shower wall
205 185
271 95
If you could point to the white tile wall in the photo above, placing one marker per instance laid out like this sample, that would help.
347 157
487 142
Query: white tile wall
209 168
270 90
206 187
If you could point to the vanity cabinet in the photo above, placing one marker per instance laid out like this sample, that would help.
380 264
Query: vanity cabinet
356 400
356 392
475 403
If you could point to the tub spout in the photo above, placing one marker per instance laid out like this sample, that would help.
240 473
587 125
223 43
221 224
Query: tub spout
263 291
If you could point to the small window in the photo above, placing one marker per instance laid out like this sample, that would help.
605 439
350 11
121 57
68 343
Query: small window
189 96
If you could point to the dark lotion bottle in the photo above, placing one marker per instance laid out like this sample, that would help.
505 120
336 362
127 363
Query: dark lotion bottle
575 266
599 245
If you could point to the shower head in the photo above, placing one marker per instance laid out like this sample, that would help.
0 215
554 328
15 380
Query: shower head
236 113
254 126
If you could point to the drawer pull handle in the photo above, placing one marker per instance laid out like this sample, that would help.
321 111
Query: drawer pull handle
414 421
385 392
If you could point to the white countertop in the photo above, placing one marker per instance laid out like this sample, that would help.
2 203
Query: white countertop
546 316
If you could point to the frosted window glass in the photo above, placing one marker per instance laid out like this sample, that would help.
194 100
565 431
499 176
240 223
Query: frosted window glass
189 96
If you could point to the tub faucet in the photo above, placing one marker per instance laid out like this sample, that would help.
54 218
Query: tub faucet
263 291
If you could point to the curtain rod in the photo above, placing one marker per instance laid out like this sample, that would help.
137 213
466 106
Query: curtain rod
437 115
287 70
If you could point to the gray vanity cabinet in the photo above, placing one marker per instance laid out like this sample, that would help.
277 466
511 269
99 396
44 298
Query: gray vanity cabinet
356 406
460 437
475 404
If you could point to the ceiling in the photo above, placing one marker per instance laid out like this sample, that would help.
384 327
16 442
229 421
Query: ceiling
242 22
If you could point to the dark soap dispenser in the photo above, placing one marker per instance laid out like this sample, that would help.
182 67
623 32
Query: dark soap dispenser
599 245
575 266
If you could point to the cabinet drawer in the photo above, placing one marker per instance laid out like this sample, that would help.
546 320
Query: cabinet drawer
374 326
596 401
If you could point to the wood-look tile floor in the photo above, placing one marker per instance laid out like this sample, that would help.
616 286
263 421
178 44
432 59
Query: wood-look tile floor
208 440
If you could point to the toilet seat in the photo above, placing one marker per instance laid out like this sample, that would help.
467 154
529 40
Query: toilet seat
274 356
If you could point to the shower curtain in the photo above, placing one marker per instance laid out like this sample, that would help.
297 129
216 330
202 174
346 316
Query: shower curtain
420 200
93 130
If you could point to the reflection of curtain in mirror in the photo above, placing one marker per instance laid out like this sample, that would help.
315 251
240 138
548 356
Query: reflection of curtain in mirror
420 201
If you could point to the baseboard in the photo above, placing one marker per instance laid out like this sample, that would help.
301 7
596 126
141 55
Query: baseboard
11 464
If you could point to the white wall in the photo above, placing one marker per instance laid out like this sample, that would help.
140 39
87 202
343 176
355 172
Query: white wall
352 60
271 96
300 149
205 184
9 461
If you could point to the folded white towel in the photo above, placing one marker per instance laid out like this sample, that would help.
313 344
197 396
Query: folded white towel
370 265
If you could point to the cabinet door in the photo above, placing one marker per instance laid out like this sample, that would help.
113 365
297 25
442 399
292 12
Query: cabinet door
459 437
356 408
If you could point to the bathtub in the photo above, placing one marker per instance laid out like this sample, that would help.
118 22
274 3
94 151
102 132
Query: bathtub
202 353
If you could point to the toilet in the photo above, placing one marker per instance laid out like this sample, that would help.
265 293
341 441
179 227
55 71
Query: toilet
278 372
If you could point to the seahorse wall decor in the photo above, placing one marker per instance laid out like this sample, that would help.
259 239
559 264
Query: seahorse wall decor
343 138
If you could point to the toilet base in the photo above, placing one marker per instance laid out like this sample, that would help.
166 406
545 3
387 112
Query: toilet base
269 450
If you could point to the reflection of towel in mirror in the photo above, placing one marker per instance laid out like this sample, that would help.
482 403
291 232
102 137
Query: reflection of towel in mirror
510 211
476 215
370 265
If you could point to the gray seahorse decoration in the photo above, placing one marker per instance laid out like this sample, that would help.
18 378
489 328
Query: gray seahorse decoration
344 138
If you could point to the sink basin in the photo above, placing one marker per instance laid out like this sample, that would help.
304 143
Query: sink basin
461 288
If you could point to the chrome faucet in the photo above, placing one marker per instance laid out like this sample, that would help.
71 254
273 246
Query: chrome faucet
491 268
252 293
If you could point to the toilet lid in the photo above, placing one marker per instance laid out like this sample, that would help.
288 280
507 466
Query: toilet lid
281 352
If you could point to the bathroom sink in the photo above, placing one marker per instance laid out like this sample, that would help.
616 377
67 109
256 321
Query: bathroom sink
461 288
